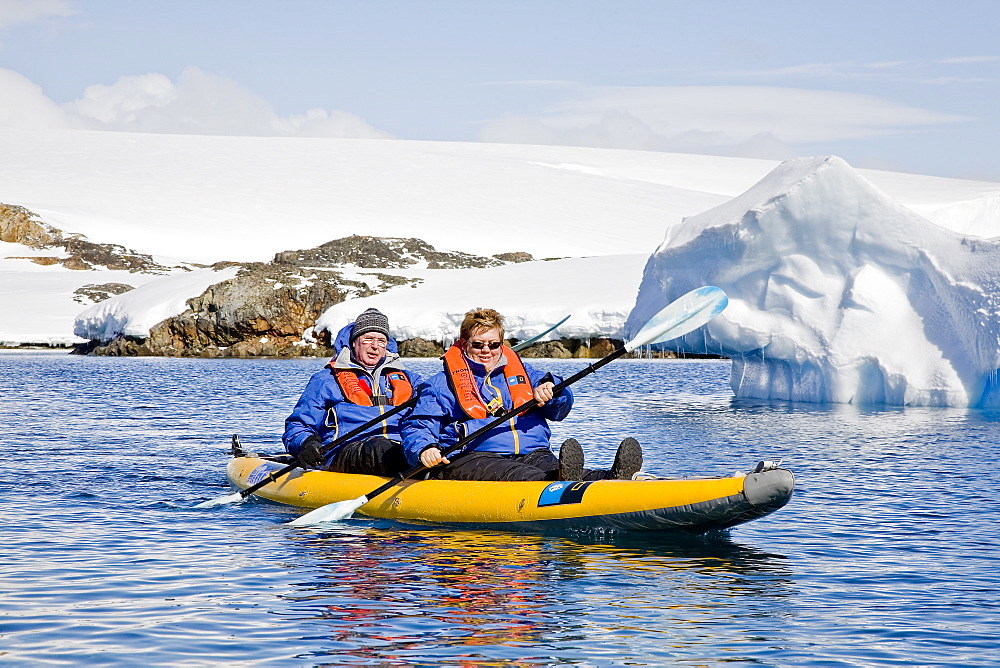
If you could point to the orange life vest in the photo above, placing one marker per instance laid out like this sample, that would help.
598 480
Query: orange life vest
354 392
463 382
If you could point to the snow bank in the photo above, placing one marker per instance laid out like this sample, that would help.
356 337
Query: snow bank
838 293
134 313
37 302
596 292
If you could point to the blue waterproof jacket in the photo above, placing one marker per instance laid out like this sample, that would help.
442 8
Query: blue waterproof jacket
323 411
438 420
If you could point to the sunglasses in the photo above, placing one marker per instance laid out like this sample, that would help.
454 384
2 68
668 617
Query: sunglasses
479 345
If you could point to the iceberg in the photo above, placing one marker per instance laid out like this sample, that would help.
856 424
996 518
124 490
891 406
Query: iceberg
838 293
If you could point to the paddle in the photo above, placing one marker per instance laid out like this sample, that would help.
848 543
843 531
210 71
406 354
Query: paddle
678 318
274 475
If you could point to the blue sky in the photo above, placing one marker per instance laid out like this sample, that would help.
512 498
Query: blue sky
907 86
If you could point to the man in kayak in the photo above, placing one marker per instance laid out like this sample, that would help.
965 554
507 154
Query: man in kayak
482 378
356 387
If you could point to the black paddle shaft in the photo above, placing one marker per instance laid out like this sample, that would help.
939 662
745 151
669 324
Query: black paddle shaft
274 475
586 371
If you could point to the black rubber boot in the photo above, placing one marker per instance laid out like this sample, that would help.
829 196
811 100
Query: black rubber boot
628 460
570 460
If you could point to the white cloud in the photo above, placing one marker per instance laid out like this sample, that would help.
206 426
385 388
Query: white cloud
336 123
753 121
24 105
123 102
197 103
203 103
17 12
970 60
918 71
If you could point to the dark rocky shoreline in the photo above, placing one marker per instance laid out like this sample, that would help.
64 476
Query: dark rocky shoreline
565 348
270 309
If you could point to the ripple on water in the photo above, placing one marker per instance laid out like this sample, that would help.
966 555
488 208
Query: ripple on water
887 553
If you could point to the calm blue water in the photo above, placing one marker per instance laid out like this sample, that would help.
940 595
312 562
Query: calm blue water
887 555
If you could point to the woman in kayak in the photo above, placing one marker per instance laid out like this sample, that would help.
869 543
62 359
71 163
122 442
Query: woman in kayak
482 379
354 388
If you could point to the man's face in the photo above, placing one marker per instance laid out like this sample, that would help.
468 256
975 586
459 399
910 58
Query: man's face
370 348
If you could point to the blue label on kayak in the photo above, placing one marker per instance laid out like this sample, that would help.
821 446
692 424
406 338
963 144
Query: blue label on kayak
258 474
561 493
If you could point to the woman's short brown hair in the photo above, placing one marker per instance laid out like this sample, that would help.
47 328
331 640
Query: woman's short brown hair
480 318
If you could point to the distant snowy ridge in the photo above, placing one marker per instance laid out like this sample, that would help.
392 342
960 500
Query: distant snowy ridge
838 293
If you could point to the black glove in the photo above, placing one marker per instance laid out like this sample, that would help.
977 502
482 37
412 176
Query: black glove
309 455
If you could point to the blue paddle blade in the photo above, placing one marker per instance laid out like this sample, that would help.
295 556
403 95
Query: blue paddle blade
332 512
236 497
681 316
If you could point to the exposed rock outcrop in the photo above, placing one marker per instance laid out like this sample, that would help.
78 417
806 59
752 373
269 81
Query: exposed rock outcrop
387 253
270 309
596 348
420 348
571 348
18 225
265 310
92 293
554 349
21 226
514 257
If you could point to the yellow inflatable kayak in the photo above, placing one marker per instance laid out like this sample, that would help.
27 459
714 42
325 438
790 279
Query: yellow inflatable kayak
695 505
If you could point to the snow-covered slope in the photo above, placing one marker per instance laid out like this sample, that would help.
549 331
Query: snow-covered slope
837 293
205 199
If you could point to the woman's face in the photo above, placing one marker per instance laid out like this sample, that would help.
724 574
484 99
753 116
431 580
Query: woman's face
483 346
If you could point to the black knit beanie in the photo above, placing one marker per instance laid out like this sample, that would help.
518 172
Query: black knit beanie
371 320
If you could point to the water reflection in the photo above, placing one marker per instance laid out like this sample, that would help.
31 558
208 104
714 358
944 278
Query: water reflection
394 592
